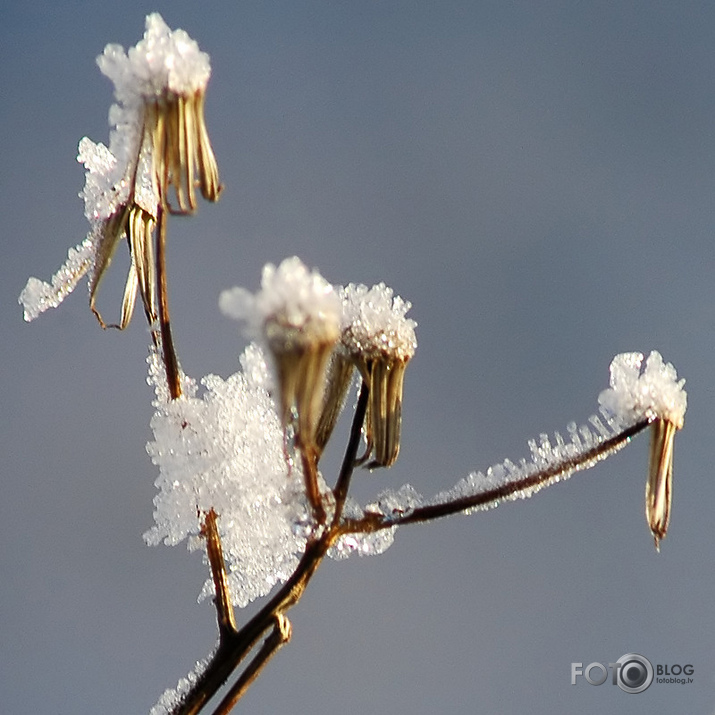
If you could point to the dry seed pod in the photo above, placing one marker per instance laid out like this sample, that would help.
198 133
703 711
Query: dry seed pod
384 417
297 313
659 487
158 140
649 389
380 341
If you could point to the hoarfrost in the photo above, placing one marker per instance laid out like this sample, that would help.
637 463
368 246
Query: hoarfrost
224 450
291 297
123 173
374 322
639 391
645 390
38 296
171 697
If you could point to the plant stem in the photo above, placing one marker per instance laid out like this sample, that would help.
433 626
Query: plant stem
171 364
234 645
372 522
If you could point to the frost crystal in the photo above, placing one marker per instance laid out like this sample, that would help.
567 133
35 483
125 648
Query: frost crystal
173 696
374 322
224 450
162 60
38 296
292 300
645 390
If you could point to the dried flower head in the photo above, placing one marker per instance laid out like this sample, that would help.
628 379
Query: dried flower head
158 140
297 315
380 341
160 87
650 390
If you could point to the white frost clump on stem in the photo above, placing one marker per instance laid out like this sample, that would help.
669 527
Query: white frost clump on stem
293 300
645 390
162 60
173 696
297 314
38 296
374 322
224 450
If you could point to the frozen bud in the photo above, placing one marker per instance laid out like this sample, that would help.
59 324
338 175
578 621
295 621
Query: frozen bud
650 390
160 86
297 314
380 341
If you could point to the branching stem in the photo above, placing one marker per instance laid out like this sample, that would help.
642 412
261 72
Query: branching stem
235 645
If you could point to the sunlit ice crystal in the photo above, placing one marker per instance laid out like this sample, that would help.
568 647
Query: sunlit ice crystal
223 450
374 322
645 389
162 60
39 296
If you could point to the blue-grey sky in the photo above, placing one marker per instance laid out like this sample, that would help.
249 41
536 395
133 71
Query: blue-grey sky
538 178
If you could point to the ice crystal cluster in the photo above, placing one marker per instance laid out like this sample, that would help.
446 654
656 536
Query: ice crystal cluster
171 697
645 390
292 298
224 450
374 322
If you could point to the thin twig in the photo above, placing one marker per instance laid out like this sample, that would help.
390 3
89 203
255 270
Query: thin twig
308 455
171 364
280 635
346 470
372 522
222 599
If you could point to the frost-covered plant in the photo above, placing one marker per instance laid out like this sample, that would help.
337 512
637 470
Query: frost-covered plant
228 480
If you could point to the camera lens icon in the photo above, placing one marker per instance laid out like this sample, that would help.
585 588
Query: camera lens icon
635 674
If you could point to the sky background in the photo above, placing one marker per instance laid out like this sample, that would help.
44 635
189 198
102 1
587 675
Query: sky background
538 179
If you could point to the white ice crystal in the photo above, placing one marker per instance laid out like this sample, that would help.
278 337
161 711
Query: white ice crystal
171 697
645 390
224 450
374 322
162 60
38 296
292 298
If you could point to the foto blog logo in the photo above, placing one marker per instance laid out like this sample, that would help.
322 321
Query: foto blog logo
632 673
